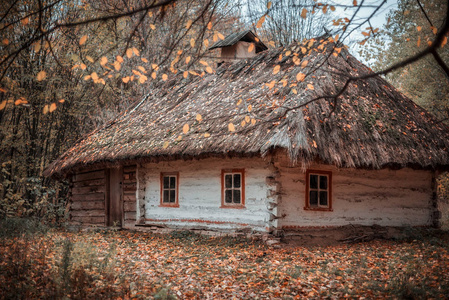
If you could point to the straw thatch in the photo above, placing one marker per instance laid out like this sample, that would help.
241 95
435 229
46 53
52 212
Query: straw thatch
372 126
245 36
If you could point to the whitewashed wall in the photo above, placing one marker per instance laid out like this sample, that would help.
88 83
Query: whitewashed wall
366 197
200 193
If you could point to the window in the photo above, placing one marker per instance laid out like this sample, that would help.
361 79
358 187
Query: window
318 190
233 188
169 189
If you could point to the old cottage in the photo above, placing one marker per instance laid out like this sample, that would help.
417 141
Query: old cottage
262 144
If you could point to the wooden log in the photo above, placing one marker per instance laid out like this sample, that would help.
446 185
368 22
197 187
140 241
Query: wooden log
89 183
89 176
88 220
130 216
89 205
129 206
129 169
129 181
87 213
87 197
129 197
87 190
130 187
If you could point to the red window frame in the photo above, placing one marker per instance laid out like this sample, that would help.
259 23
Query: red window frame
329 190
169 204
242 188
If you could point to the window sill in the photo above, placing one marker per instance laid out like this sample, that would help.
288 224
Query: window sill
233 206
318 208
168 205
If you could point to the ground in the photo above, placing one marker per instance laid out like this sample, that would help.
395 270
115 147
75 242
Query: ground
183 265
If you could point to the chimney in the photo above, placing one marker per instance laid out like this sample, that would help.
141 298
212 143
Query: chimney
236 46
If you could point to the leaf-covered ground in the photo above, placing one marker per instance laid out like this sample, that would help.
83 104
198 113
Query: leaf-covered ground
183 265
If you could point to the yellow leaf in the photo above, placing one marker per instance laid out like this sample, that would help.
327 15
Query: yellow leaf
87 77
276 69
89 58
251 48
269 4
83 39
94 76
126 79
296 60
209 70
166 143
243 123
52 107
135 51
179 138
129 53
206 43
300 76
164 77
41 75
192 43
142 69
304 64
209 25
304 13
103 61
189 24
231 127
152 27
203 63
119 59
153 75
294 91
310 86
25 21
199 117
188 59
206 135
142 79
185 128
220 36
3 105
250 108
260 22
45 109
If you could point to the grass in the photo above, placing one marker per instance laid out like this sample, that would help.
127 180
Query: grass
182 265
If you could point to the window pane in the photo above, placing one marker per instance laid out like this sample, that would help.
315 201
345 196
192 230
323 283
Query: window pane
313 181
228 181
172 182
172 196
237 180
166 182
165 197
228 196
323 182
323 198
313 198
237 198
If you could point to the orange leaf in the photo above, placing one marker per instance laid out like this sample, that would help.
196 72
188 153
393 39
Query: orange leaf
209 25
206 135
3 105
41 75
199 117
185 128
231 127
45 109
83 39
251 48
209 70
260 22
310 86
164 77
304 13
52 107
300 76
129 53
276 69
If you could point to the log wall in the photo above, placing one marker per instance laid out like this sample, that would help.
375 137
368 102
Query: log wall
87 200
129 186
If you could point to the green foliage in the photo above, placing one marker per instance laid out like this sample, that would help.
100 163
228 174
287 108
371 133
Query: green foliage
16 227
407 32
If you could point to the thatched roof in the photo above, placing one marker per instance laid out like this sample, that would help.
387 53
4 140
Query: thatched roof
245 36
372 126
